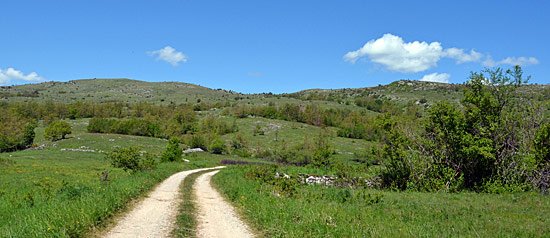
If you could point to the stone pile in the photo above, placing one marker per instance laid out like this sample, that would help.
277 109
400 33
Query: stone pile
83 149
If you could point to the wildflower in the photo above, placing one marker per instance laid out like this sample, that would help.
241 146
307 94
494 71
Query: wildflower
48 228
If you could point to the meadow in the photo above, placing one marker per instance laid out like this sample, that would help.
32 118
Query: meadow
320 211
55 193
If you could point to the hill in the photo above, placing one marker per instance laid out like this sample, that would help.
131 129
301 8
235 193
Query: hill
132 91
106 90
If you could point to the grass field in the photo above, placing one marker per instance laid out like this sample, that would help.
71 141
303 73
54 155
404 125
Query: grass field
57 193
317 211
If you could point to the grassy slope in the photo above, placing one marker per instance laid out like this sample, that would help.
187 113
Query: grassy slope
123 90
319 212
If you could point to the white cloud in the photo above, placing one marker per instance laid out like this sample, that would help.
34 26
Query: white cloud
435 77
522 61
254 74
9 74
169 55
392 52
489 62
461 57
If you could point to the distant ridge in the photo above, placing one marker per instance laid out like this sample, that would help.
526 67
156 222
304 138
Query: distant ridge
133 91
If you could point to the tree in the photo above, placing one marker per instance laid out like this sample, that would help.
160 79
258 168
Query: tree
28 137
173 151
483 140
57 130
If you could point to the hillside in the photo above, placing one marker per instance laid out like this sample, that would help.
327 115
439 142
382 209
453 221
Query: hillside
132 91
409 91
105 90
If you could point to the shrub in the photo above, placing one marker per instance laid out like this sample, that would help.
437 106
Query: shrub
28 136
217 146
173 151
198 141
258 130
262 173
441 178
131 159
211 124
241 153
58 130
398 168
238 142
285 186
322 150
542 146
100 125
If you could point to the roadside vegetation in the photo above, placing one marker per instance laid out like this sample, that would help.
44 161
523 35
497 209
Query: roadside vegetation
281 207
55 192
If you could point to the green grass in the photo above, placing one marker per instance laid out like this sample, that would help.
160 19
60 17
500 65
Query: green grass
186 222
292 134
56 193
322 212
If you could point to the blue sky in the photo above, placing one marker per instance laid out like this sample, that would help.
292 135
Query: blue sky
271 46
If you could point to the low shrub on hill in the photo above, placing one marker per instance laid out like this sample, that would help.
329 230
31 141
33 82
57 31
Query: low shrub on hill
131 159
58 130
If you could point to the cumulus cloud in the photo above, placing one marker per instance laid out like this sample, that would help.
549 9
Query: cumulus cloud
409 57
461 57
6 75
522 61
169 55
435 77
397 55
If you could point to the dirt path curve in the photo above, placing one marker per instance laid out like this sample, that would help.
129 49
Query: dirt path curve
216 217
156 214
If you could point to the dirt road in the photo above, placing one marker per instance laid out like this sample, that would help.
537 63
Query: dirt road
216 217
156 214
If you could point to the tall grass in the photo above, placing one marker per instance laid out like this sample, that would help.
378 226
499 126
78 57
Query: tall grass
62 194
317 211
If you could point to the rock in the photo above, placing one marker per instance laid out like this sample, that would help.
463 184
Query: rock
81 150
193 150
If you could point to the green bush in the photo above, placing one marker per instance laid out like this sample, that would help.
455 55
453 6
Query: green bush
238 142
440 178
258 130
241 152
262 173
173 151
542 146
398 169
131 159
198 141
28 136
286 186
58 130
217 146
